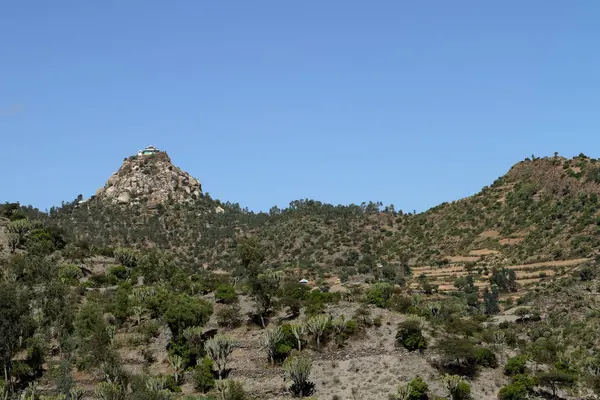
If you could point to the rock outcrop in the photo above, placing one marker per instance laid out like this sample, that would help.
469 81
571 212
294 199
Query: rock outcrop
150 179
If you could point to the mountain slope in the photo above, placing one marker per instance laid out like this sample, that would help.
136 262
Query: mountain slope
541 210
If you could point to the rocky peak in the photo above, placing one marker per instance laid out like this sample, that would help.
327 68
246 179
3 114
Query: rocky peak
149 177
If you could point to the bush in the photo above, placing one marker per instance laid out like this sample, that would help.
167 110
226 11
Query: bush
527 381
459 352
515 365
586 274
512 392
126 257
417 389
379 294
486 358
287 343
184 311
120 272
234 391
203 375
69 273
400 303
229 316
410 335
226 294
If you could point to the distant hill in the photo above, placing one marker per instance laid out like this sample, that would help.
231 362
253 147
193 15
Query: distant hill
496 293
543 209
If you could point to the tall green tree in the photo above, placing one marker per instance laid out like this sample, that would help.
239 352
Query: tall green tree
16 324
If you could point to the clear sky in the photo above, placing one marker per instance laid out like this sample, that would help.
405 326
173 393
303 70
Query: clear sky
405 102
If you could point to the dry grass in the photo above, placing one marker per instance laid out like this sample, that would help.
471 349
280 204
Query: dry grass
489 234
511 241
483 252
456 259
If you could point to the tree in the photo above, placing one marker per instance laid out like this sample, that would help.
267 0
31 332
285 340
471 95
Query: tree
297 368
515 365
379 294
460 352
18 229
298 330
410 334
184 311
13 241
466 284
251 253
203 375
270 340
317 325
15 324
219 348
505 279
490 301
194 339
555 380
264 287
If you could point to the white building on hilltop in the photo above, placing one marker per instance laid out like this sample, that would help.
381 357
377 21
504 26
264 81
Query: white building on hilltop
149 150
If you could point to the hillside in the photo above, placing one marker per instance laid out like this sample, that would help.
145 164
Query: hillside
541 210
142 296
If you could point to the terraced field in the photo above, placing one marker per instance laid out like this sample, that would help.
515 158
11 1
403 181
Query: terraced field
527 274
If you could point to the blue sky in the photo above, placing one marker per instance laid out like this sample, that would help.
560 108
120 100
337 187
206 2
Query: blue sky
406 102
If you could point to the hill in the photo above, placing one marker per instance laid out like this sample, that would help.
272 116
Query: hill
145 295
541 210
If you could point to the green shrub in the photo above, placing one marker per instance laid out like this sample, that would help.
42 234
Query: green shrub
203 375
126 257
417 389
287 343
229 316
460 352
486 358
400 303
69 273
555 380
410 335
226 294
120 305
586 274
513 392
515 365
463 391
379 294
184 311
120 272
527 381
234 391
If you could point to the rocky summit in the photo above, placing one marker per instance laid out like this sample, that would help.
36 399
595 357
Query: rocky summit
150 178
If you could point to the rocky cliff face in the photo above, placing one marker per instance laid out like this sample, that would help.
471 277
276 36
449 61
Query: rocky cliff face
150 179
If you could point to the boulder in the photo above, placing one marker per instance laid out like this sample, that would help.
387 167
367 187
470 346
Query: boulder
124 197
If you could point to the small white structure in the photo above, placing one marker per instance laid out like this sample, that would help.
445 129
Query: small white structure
303 281
147 151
